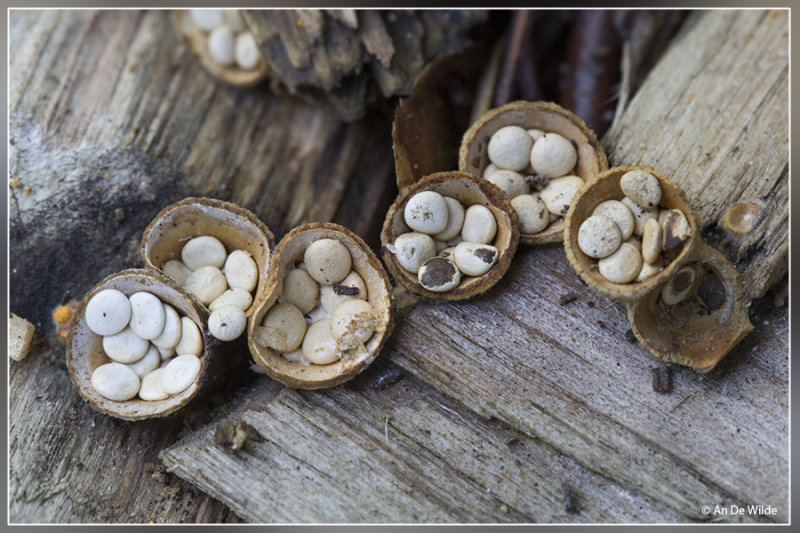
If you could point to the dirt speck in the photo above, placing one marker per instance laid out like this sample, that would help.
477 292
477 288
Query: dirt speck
567 298
662 379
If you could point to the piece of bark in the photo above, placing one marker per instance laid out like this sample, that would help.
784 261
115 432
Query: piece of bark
376 37
713 117
344 47
397 77
20 337
314 52
292 34
348 17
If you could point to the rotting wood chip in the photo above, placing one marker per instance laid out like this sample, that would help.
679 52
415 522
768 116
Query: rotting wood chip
233 437
20 337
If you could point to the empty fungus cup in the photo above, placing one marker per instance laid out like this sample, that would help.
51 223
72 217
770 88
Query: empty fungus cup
469 191
198 41
85 351
549 118
288 255
700 328
236 227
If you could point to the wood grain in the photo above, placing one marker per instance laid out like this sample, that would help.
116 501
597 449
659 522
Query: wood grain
713 116
111 114
112 119
567 375
399 452
70 464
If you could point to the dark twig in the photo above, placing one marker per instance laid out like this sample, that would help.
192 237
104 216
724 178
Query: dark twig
520 26
529 88
594 57
487 82
649 33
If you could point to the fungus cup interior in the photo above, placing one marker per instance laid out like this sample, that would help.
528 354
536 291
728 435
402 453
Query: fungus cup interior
85 348
548 117
699 330
198 41
469 191
288 252
606 187
236 227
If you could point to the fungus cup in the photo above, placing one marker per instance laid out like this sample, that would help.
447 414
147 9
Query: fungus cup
697 331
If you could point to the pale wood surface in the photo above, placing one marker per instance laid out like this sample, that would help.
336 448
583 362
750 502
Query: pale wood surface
714 117
563 379
566 375
402 452
116 92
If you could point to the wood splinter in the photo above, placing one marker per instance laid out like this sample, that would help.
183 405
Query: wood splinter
233 437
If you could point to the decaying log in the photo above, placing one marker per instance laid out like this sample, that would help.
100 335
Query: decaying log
544 354
515 407
391 450
713 116
112 119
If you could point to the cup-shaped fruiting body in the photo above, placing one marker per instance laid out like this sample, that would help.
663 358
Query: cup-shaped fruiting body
687 304
275 318
86 352
709 316
573 144
481 199
224 45
194 229
591 232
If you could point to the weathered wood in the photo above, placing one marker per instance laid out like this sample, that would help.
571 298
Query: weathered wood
713 116
567 375
115 92
112 119
392 452
310 50
70 464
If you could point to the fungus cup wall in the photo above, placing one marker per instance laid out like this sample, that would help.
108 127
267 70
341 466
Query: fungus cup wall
689 333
